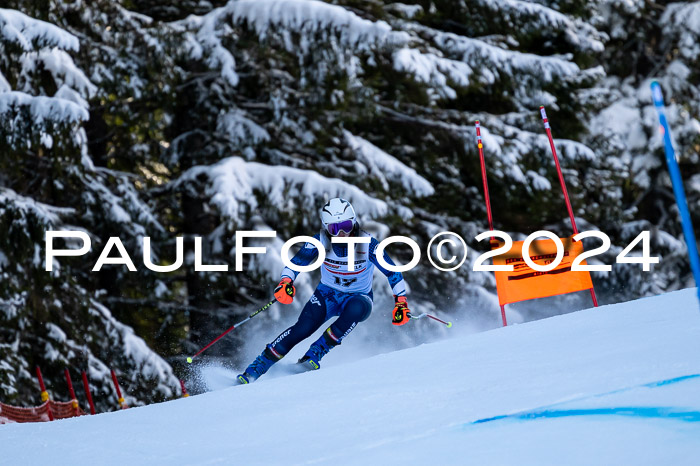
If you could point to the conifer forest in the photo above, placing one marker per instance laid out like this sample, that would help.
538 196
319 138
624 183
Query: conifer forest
199 118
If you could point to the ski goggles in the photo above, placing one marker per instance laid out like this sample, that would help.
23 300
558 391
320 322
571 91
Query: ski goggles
335 228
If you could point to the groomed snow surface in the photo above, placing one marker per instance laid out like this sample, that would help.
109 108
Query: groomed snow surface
617 385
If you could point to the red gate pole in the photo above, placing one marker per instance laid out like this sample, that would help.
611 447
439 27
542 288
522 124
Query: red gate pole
122 403
88 394
563 184
561 176
44 393
73 399
184 390
480 145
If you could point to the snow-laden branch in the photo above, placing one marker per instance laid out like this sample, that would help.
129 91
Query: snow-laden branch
435 71
234 181
496 61
683 19
22 30
381 163
240 129
122 340
577 33
43 109
311 20
61 67
121 204
47 214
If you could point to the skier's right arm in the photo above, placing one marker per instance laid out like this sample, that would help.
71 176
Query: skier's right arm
284 293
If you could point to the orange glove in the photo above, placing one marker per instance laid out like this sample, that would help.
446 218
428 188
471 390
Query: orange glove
284 293
401 314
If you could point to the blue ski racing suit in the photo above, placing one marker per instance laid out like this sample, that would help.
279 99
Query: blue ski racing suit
342 292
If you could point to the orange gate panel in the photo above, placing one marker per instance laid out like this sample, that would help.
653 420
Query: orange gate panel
525 283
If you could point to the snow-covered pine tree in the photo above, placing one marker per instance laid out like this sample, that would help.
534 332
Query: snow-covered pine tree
647 41
211 117
49 181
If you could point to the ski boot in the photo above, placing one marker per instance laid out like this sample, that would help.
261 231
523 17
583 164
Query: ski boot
311 360
258 367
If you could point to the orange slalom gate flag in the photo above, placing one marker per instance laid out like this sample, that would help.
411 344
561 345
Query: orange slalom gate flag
525 283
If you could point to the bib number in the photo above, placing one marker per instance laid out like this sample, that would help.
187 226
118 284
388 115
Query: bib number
344 281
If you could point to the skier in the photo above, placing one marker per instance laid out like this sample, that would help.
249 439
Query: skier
342 292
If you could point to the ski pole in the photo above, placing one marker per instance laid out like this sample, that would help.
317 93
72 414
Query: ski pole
189 359
420 316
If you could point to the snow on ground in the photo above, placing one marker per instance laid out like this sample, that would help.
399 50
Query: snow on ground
615 385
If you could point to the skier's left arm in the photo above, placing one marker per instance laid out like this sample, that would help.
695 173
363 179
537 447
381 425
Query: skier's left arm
401 314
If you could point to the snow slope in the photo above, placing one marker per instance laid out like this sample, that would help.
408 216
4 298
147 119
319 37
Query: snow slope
615 385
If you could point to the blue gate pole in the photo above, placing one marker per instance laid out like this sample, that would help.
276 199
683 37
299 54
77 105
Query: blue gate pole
677 185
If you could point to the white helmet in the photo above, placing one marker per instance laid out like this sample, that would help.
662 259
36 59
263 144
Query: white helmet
338 215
